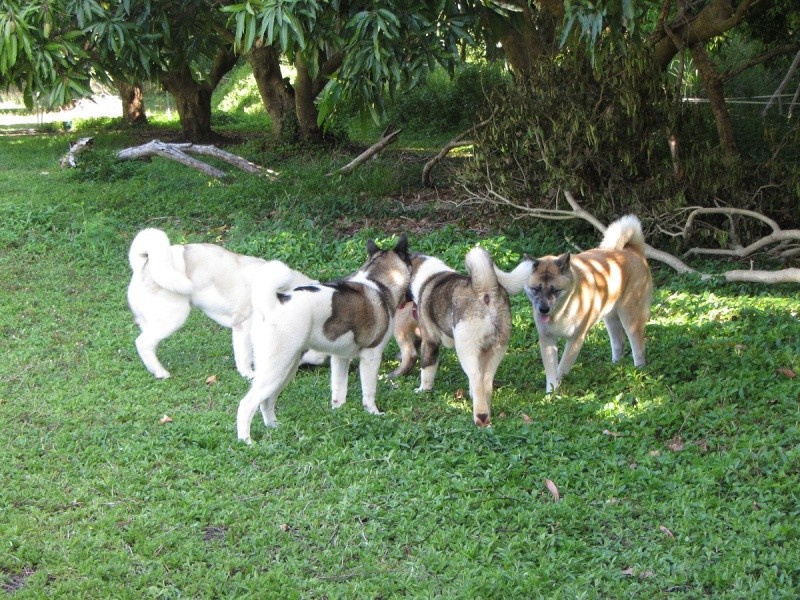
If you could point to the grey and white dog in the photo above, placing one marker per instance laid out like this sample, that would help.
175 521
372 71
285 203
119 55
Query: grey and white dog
470 313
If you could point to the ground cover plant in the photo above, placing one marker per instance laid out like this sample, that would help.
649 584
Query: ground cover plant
677 480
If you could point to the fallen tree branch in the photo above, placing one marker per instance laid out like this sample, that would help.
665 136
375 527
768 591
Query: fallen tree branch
456 142
75 148
753 276
451 145
386 139
180 153
650 252
791 275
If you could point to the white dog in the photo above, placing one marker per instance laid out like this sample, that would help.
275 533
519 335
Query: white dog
348 318
169 279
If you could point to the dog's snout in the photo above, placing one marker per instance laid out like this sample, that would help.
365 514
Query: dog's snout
544 309
482 420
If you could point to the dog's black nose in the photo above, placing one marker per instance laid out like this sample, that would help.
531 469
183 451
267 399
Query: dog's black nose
544 309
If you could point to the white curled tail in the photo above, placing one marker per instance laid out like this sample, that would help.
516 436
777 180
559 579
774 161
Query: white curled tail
515 281
624 232
269 280
481 270
151 250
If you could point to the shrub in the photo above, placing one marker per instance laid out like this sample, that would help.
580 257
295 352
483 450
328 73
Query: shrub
604 133
441 102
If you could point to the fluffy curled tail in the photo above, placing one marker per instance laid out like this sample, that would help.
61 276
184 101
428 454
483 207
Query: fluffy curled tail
269 280
625 232
151 250
515 281
481 270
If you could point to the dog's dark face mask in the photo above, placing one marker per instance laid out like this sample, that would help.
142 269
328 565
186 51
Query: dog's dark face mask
547 284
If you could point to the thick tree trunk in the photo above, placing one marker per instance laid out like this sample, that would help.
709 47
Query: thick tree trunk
193 98
132 96
713 84
304 95
193 101
275 90
525 36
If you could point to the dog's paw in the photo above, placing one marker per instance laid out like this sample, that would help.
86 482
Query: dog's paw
248 441
422 390
162 374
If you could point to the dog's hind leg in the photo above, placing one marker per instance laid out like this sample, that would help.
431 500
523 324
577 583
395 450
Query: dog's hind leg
634 327
339 371
268 406
429 362
368 368
406 333
163 322
479 366
264 390
616 332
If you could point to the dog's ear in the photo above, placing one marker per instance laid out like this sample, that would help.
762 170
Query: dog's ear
562 262
372 247
401 248
534 262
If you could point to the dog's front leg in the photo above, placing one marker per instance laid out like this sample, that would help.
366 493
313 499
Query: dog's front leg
339 368
571 350
268 411
368 368
429 361
243 349
549 348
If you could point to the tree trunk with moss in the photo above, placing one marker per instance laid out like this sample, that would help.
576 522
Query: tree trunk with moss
275 90
193 98
132 97
713 85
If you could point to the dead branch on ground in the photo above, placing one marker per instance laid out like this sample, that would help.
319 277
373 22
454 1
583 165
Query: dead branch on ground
784 239
75 148
386 139
180 153
457 142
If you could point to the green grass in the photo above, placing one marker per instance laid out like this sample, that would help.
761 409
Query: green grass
677 480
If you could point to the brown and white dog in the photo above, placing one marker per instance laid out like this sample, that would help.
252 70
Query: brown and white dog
469 313
569 294
169 279
347 318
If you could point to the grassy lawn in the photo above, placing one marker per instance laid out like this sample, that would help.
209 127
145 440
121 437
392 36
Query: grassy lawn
678 480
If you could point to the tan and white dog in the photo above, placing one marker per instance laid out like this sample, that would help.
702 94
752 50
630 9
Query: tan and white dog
407 336
470 313
169 279
347 318
569 294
